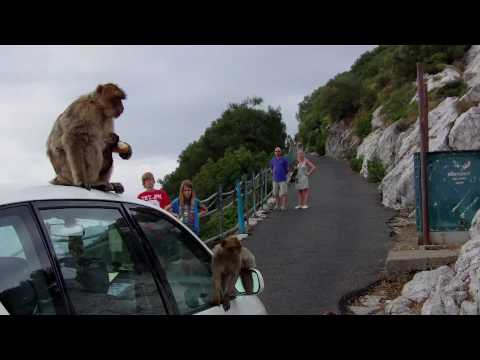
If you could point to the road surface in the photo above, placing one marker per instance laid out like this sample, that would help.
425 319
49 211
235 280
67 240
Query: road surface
310 258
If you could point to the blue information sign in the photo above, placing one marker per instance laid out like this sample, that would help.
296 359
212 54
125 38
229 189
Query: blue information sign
453 189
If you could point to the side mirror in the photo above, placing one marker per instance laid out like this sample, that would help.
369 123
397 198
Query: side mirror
250 282
3 311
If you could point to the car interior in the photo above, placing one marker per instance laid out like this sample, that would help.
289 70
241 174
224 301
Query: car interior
24 291
99 269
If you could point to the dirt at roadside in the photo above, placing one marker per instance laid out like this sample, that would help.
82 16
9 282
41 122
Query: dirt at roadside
403 237
404 230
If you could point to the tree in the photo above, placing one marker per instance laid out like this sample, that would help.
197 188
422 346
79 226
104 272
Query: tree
240 125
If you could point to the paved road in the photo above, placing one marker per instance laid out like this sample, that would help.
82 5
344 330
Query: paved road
310 258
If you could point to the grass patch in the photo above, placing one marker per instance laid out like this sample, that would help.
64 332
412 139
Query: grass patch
404 124
398 105
363 125
453 89
376 170
356 164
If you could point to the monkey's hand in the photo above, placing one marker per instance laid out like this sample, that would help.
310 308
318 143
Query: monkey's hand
124 150
86 186
112 139
226 303
117 188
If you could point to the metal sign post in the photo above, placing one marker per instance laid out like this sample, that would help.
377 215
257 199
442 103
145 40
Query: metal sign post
423 110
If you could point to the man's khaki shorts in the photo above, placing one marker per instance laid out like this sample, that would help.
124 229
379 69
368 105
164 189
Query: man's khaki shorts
280 188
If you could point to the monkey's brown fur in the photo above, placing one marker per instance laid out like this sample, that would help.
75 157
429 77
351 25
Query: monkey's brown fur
82 140
229 260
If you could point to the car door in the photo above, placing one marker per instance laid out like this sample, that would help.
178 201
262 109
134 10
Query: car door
28 282
186 263
103 267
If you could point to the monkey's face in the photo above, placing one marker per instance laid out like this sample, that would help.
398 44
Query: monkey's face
232 245
111 96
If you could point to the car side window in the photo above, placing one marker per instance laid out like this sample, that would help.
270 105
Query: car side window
27 283
185 262
103 271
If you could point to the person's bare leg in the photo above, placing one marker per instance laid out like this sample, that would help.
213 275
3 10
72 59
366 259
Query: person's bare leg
300 198
305 196
284 201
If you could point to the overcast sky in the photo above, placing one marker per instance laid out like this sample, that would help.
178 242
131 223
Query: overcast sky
174 93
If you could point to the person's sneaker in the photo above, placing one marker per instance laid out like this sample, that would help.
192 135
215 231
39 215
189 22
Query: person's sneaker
283 208
298 207
305 207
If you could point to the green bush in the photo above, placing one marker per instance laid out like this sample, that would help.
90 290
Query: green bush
376 171
356 164
454 89
341 98
398 103
363 125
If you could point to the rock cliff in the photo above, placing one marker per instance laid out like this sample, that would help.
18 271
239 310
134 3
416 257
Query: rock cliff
447 290
454 124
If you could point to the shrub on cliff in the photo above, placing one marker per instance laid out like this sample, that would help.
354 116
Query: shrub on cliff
356 164
363 125
376 170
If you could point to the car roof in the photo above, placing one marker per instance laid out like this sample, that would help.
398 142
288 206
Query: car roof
18 194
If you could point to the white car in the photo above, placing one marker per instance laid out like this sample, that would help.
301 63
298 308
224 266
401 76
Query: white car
67 250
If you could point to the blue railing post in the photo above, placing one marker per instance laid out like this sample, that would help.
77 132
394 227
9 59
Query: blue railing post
240 211
220 209
253 195
267 176
261 188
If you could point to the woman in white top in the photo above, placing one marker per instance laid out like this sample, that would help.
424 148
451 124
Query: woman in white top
304 169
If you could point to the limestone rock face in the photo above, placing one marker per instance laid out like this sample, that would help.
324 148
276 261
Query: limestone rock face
377 119
448 75
471 74
398 185
424 283
465 134
388 145
434 81
368 149
399 306
341 141
472 95
474 232
447 291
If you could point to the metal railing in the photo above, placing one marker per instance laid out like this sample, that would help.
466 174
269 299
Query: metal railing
247 197
250 194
